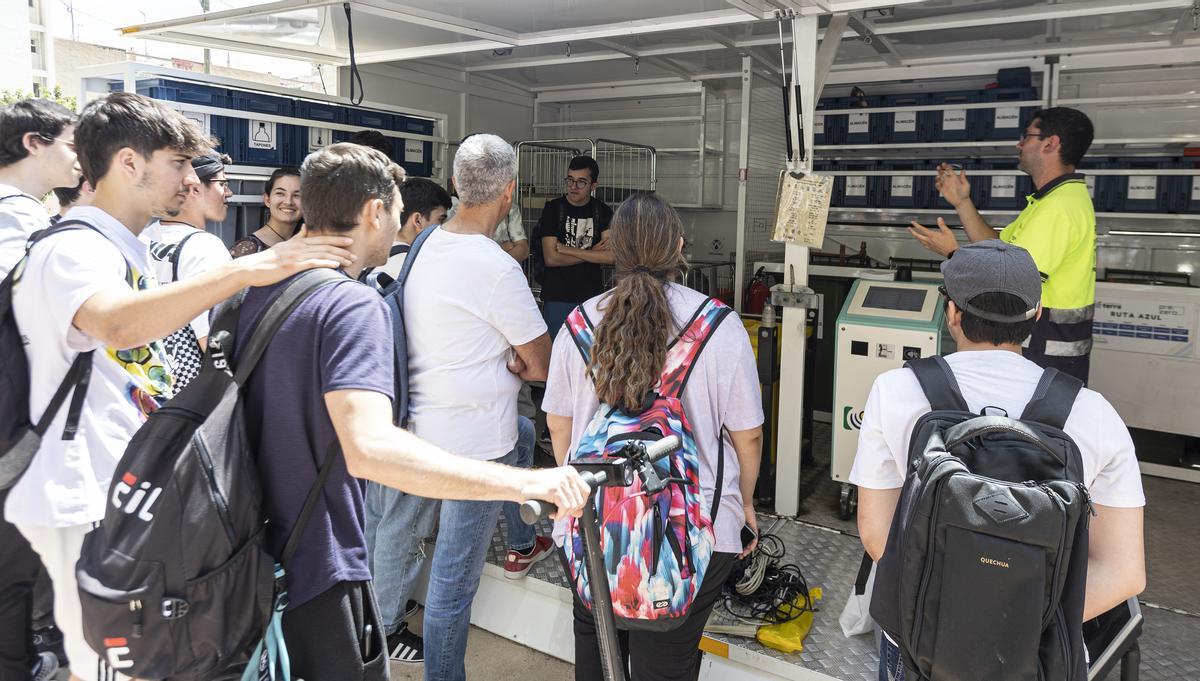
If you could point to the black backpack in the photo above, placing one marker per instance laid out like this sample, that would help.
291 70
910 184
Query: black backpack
176 581
20 438
985 568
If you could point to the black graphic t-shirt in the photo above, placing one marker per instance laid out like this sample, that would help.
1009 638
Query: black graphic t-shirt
576 227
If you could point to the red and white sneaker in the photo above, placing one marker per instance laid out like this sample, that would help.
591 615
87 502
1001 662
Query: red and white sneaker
516 564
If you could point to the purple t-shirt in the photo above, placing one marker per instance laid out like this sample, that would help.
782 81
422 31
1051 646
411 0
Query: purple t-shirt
339 338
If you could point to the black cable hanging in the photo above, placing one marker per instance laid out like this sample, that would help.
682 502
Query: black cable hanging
354 75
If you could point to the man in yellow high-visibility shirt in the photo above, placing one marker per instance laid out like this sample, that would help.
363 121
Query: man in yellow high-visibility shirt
1057 227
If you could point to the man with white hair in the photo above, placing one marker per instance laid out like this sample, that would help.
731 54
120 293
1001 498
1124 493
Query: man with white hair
474 333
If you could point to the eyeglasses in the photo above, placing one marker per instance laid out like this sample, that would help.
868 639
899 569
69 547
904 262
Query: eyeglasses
580 183
224 184
1039 135
70 143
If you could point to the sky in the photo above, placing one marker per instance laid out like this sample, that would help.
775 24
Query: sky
98 21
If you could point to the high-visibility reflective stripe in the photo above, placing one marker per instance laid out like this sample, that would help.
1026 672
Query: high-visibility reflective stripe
1074 315
1068 348
714 647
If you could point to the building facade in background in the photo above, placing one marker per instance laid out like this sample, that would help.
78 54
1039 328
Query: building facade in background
26 46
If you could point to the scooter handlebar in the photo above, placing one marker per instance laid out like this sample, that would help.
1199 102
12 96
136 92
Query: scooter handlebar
535 509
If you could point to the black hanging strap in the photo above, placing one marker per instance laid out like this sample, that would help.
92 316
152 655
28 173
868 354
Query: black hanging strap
938 383
864 573
310 502
1053 399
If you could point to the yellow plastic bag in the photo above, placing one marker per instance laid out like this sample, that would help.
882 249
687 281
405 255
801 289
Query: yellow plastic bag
789 636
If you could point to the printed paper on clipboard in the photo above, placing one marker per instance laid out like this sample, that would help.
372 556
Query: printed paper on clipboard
802 209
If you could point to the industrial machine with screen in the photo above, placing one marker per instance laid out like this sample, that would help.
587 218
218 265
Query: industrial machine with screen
882 325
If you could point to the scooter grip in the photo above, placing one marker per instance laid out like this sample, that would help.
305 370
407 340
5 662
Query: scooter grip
536 509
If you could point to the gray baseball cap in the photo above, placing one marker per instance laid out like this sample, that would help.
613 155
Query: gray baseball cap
993 266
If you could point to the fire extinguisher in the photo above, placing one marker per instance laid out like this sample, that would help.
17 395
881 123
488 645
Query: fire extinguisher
756 294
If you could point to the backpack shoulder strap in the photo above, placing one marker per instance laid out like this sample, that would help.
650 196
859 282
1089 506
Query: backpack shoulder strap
413 250
685 349
310 503
938 383
176 253
582 331
296 292
1053 399
393 295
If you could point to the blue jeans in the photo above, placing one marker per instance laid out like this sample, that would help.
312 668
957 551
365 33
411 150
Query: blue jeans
891 666
555 314
464 533
398 525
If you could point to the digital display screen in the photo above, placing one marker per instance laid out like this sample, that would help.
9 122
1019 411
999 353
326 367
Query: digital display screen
887 298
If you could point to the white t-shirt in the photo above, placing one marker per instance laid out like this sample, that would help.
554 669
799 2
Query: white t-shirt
20 216
466 304
995 379
67 481
201 253
723 390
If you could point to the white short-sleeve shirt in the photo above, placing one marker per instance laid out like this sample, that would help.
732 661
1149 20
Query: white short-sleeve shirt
20 216
723 390
995 379
466 305
202 252
67 482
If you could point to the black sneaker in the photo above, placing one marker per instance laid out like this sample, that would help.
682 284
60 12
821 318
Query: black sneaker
405 646
46 668
410 608
50 640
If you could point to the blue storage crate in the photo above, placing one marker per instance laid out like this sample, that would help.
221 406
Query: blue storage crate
420 126
1189 196
370 118
320 111
1005 192
953 124
186 92
905 126
1005 123
859 191
830 129
1146 193
859 123
980 185
252 137
1098 185
904 191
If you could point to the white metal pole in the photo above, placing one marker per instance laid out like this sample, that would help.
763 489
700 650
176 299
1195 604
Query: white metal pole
739 268
703 140
790 424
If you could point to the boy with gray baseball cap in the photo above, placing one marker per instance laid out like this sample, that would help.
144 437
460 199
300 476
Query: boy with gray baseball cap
992 296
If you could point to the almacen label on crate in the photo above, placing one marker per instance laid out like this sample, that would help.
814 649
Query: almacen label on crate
954 119
1143 188
802 209
906 121
201 119
860 123
1090 181
414 151
319 137
819 124
1008 117
1196 188
902 185
262 135
1004 186
856 185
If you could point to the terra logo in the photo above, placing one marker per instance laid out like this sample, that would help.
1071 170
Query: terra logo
141 497
851 420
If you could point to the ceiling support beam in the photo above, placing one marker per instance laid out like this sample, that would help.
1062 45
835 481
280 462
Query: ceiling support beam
212 18
434 20
827 52
866 30
730 43
1066 10
1189 22
661 62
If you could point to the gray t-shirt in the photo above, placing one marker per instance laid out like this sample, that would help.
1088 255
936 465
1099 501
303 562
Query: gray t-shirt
723 390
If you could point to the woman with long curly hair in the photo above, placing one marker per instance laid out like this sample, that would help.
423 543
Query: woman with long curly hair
634 328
